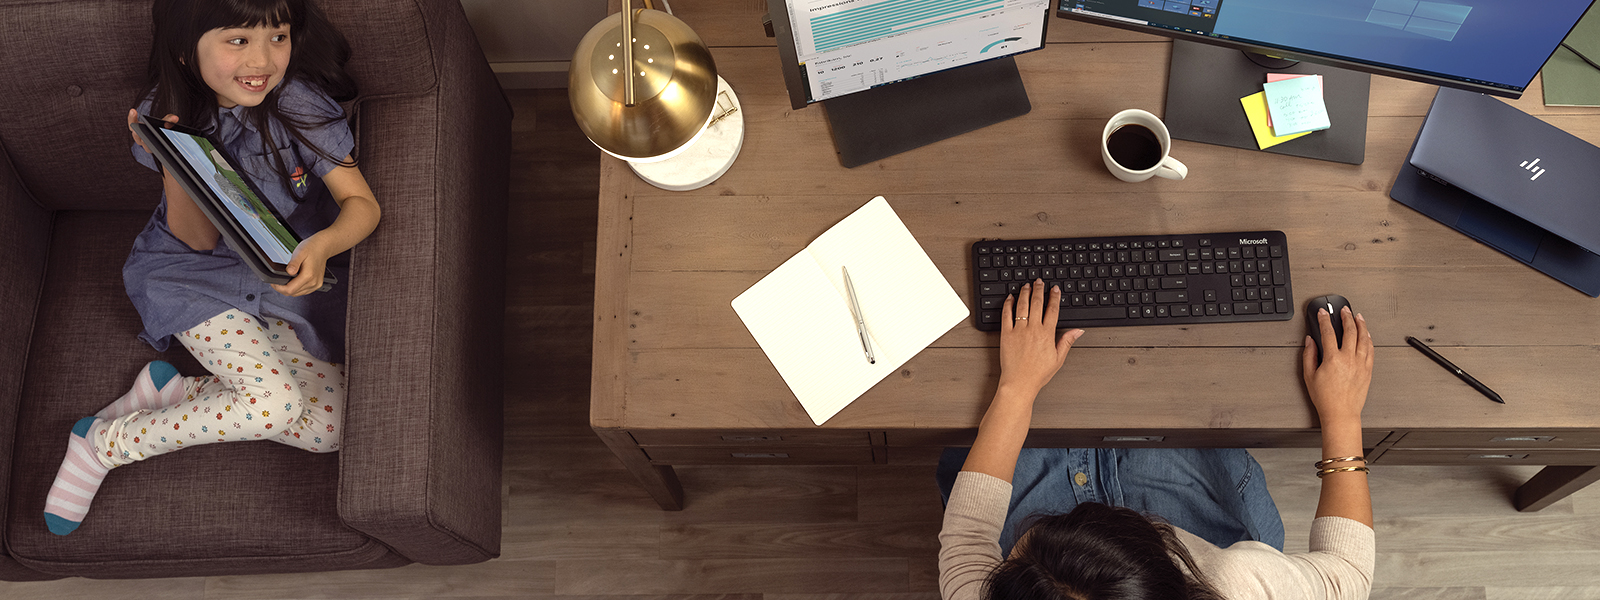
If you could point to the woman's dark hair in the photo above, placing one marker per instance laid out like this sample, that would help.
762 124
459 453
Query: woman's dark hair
1098 552
317 57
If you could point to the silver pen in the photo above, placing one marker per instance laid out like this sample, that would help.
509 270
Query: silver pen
861 322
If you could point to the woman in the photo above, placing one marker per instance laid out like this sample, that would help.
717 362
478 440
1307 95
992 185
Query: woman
1097 551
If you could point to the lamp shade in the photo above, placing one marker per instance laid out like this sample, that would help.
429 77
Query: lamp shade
673 77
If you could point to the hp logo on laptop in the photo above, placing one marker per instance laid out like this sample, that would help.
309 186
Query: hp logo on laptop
1533 167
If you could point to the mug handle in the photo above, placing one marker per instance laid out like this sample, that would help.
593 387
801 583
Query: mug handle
1170 168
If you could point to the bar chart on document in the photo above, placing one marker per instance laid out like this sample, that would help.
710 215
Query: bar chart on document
846 46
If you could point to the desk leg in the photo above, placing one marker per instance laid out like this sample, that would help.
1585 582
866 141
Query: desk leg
660 481
1552 484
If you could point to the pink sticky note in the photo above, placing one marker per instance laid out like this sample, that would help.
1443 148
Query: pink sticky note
1271 77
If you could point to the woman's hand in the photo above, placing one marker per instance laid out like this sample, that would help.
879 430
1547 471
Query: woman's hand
133 117
307 265
1339 386
1030 350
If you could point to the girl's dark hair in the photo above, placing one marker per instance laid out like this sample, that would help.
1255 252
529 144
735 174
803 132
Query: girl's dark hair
1098 552
317 57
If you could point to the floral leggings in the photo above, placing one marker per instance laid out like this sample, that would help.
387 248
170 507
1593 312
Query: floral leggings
263 387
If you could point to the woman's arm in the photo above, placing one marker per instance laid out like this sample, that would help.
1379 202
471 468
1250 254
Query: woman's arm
358 216
1338 388
1030 355
184 219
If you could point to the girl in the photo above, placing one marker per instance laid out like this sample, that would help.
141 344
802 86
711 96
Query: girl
1230 542
263 77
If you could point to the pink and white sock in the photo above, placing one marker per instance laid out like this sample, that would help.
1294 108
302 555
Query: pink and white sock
77 481
157 385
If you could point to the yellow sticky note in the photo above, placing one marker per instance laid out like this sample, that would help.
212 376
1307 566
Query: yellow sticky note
1255 108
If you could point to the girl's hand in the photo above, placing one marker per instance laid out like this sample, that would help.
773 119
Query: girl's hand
133 117
1339 387
307 265
1030 350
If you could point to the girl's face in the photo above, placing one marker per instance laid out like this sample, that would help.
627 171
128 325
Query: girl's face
242 64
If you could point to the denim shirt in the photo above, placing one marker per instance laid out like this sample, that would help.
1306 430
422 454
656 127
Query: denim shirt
175 287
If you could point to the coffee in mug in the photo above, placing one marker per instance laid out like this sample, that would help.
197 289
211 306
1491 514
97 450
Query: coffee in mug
1136 146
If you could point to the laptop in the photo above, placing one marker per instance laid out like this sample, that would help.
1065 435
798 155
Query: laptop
1511 181
247 222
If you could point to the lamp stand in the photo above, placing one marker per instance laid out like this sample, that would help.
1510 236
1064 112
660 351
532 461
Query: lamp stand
708 156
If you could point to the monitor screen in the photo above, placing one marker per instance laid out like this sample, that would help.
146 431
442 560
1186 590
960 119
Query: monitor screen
845 46
1497 44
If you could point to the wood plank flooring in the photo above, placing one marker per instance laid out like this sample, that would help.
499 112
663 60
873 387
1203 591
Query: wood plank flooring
577 528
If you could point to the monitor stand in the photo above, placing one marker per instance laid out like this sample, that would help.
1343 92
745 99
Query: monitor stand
1206 82
887 120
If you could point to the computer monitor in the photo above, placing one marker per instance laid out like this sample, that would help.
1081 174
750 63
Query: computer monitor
898 74
1489 46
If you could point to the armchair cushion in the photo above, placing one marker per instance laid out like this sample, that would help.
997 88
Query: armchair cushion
253 507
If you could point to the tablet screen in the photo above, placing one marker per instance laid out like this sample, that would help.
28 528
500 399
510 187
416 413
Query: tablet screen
250 211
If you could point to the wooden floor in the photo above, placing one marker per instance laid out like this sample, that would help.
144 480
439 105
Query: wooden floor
577 526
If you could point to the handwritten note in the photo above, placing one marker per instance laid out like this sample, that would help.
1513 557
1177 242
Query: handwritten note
1255 109
1296 106
1271 77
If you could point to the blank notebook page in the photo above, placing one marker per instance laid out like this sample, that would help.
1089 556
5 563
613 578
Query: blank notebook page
800 313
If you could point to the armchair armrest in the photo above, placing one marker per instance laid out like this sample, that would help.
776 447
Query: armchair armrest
26 248
421 455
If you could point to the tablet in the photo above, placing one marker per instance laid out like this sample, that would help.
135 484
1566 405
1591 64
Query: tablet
246 221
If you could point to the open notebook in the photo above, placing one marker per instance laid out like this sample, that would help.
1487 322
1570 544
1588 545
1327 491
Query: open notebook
800 312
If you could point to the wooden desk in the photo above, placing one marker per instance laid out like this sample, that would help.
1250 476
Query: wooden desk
678 380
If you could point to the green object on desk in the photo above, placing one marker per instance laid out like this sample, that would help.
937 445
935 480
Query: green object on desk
1568 79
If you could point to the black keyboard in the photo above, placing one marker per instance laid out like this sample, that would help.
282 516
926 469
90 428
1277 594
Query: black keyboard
1141 280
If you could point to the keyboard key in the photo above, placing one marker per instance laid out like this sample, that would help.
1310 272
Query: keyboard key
1277 251
1177 243
1168 283
1084 314
1171 297
990 316
1181 310
1149 312
1246 308
1211 310
1163 244
1170 254
1191 254
1250 279
992 302
1238 293
1161 311
1147 297
988 275
1233 254
992 289
1224 309
1267 307
1205 242
1236 280
1247 252
1250 294
1211 295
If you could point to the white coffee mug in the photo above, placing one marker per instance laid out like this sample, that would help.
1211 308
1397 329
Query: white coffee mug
1167 167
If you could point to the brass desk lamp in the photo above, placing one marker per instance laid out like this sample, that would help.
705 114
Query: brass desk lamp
645 89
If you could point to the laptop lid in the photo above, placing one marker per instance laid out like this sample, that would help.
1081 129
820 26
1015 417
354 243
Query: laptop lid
1515 161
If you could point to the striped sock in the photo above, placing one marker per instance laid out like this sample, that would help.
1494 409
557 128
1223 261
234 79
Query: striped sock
76 482
147 392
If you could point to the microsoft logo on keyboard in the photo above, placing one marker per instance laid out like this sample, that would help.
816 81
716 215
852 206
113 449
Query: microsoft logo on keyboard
1245 241
1533 167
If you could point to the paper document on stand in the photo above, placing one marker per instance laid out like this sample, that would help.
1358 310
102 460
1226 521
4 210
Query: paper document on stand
800 312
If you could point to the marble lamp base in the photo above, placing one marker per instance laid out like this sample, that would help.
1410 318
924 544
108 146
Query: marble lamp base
708 157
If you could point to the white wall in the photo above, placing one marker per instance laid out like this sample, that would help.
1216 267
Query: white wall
530 42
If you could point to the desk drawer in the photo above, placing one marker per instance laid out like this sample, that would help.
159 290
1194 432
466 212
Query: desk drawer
1502 438
1489 457
760 455
767 437
1209 438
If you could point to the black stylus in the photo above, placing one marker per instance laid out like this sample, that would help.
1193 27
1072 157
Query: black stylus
1416 343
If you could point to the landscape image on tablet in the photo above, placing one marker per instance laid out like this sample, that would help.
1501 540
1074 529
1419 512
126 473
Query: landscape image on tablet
250 210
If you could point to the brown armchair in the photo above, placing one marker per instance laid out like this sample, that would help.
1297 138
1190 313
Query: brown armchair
418 478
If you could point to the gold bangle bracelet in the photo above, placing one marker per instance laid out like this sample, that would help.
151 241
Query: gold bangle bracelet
1324 472
1324 463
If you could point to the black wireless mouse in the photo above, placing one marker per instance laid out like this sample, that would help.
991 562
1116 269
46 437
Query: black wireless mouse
1331 303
